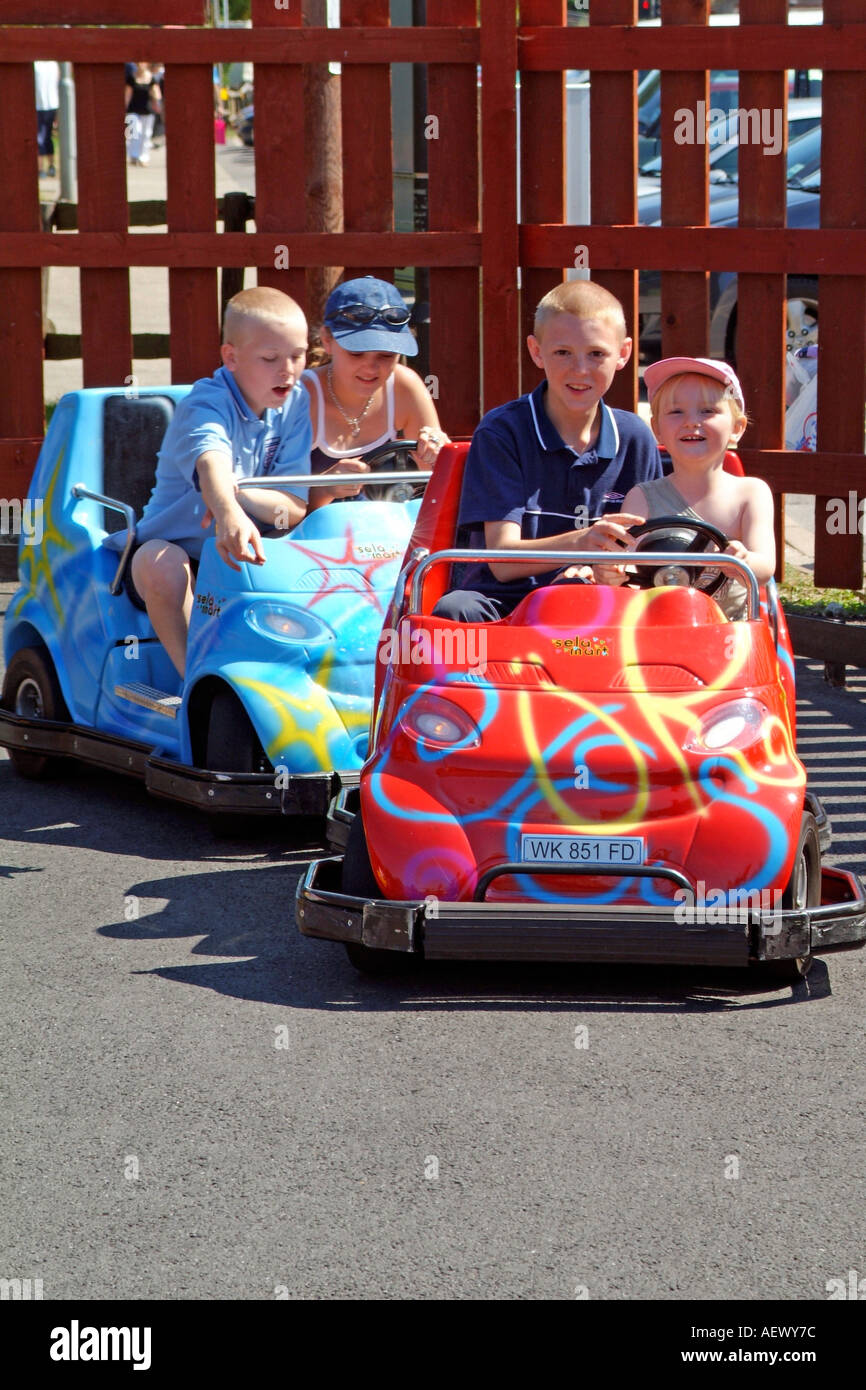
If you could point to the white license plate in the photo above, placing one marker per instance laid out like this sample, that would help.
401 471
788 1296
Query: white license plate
609 850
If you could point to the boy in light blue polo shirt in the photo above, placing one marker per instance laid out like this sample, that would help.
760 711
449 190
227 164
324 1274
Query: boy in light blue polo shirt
549 471
250 419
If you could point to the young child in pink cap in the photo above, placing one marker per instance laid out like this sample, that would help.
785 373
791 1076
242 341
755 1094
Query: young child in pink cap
698 412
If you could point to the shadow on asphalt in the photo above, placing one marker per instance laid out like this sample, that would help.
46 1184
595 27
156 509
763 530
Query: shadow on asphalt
253 917
85 808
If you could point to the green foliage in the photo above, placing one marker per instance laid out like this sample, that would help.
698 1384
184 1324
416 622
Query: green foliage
799 595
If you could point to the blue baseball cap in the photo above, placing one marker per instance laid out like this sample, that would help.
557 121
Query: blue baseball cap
369 315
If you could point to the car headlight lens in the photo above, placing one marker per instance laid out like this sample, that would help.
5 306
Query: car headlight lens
736 724
439 723
282 622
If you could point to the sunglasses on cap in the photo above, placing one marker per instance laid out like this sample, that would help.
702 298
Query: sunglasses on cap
362 314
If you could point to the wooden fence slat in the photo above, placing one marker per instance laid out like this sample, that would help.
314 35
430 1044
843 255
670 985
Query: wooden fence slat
368 188
770 46
191 206
106 330
20 291
499 229
842 299
279 155
547 49
542 172
452 179
685 200
788 470
613 110
364 45
17 462
615 248
762 180
101 12
796 251
212 248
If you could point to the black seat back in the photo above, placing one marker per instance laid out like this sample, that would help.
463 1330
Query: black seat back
132 434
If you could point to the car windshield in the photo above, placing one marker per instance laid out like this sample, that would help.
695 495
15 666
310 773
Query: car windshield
804 154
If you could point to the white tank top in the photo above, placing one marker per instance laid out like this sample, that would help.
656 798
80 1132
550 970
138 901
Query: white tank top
320 444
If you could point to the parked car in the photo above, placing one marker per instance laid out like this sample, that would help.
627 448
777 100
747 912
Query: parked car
803 210
572 782
274 709
723 141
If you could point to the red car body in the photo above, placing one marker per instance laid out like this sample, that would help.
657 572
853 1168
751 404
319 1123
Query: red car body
604 774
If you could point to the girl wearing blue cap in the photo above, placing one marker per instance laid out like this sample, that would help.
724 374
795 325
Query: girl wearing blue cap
363 397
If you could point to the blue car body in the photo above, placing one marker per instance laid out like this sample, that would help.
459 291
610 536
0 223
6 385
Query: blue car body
294 639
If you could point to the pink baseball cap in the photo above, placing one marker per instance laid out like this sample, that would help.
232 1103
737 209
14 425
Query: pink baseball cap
659 372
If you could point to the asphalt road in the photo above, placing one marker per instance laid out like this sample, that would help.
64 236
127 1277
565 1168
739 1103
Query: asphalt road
199 1103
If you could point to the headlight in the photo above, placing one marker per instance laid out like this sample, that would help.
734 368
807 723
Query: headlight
284 623
736 724
439 723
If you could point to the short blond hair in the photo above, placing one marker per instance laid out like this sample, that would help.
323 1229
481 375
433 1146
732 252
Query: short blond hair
712 392
583 299
254 308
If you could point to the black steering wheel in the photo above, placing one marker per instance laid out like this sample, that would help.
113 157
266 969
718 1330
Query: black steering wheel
679 533
391 457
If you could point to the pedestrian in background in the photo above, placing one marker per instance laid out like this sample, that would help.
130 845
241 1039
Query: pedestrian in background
47 76
143 101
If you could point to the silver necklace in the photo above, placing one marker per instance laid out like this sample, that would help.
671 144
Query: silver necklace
353 421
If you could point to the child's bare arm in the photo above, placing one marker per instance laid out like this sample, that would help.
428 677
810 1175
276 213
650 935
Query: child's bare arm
757 541
236 535
274 508
608 533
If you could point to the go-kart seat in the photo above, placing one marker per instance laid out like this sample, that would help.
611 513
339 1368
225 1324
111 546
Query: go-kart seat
436 526
132 434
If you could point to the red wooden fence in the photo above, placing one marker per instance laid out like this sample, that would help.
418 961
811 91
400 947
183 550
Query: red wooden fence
477 253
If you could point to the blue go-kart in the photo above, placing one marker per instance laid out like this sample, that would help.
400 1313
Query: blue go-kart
273 715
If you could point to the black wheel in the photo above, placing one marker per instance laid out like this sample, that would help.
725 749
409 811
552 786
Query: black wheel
232 746
31 689
803 890
359 881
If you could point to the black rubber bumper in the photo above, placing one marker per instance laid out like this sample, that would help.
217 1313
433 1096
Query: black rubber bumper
577 932
226 793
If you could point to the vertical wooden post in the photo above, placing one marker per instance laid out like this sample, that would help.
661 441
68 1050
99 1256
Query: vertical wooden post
368 166
499 232
760 298
280 155
323 144
191 206
21 413
542 169
451 123
106 334
613 106
842 298
685 201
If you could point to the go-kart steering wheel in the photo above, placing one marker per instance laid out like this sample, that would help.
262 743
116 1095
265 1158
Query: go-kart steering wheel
678 533
391 457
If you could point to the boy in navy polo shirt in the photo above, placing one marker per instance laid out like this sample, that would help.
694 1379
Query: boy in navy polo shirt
249 419
550 470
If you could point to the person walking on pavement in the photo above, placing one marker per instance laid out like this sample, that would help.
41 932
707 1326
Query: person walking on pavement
143 100
47 77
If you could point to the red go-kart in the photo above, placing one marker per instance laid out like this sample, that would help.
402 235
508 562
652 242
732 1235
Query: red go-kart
607 774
